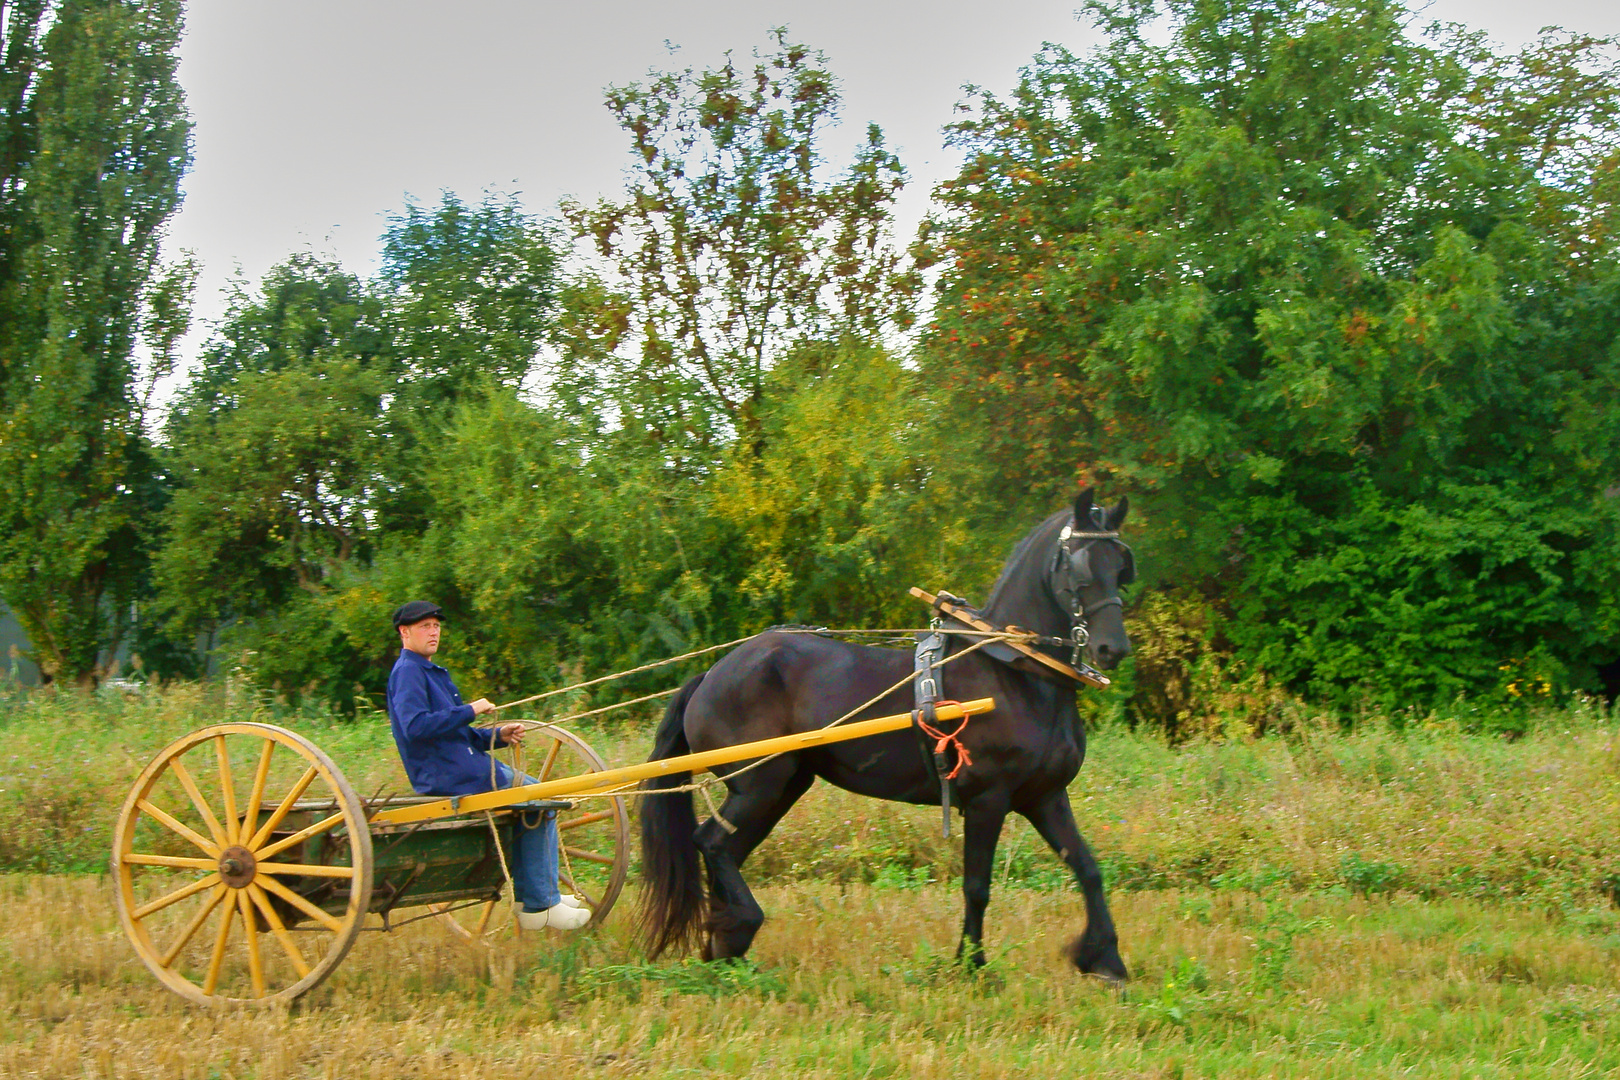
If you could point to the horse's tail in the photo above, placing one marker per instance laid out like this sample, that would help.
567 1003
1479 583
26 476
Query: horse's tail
676 896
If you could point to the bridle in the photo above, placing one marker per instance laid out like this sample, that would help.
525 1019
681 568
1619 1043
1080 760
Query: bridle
1070 572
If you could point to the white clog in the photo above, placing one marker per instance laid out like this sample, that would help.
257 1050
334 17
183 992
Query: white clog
558 917
568 900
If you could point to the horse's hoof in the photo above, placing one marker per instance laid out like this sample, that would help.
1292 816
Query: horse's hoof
1099 961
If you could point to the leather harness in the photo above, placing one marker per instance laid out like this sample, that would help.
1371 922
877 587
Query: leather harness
926 686
952 612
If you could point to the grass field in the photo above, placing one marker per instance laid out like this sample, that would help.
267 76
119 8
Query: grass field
1411 901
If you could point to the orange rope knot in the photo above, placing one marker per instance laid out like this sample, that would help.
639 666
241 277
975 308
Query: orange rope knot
951 739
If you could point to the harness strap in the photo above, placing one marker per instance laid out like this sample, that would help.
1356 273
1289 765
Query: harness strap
926 687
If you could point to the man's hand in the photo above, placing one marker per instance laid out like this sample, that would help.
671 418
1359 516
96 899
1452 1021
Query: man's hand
482 706
512 733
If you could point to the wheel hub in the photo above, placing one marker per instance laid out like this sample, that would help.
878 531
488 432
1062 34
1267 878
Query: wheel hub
237 867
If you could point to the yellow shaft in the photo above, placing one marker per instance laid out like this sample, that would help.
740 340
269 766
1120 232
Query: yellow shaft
589 783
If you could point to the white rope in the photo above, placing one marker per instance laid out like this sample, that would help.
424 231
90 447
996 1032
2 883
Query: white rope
714 811
1023 636
500 853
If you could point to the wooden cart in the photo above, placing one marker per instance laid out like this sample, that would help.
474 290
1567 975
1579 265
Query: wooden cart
246 865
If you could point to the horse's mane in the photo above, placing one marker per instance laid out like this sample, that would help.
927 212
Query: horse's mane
1020 554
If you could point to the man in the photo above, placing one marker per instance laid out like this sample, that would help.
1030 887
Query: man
444 755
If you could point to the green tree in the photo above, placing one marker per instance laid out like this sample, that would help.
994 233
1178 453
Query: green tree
847 505
312 436
737 247
469 297
278 454
733 243
1337 300
518 552
94 138
470 293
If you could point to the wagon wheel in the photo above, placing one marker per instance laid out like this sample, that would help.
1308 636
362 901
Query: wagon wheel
595 837
250 831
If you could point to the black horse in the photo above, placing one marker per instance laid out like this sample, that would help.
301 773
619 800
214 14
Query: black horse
1023 755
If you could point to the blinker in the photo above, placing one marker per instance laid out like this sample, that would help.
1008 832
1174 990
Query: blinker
1080 572
1080 566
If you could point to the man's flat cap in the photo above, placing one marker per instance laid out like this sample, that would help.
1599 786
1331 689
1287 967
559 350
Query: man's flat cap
416 611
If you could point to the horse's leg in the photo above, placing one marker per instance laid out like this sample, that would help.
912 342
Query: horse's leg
981 829
1096 950
754 807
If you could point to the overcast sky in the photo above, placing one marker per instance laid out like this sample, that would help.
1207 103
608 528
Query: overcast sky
316 118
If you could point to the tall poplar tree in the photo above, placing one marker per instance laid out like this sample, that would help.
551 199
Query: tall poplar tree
94 138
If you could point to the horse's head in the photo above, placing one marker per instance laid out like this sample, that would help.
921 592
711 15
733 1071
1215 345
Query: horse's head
1088 565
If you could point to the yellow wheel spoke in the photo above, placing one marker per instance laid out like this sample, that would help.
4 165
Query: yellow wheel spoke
551 759
300 836
199 802
250 824
587 819
307 869
175 897
195 924
300 903
251 931
274 793
221 940
281 811
161 816
141 858
483 918
589 856
227 788
278 928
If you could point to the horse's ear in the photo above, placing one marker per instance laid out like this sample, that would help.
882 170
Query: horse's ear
1116 516
1082 507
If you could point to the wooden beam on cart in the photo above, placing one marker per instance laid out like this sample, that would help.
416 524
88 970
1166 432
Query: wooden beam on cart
612 779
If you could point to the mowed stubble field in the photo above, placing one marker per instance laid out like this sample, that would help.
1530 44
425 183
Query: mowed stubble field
1417 902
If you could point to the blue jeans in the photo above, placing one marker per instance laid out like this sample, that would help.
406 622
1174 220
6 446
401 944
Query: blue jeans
534 856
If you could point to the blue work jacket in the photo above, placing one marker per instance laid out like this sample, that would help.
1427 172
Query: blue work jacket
443 755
